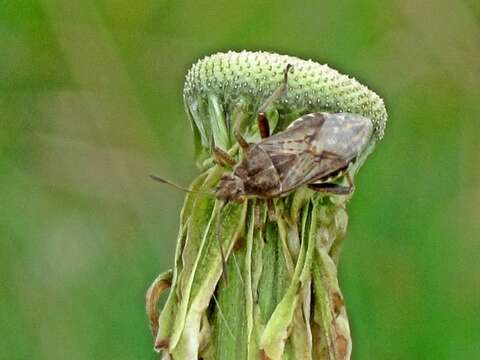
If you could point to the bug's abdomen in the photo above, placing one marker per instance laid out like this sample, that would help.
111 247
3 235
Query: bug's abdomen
259 175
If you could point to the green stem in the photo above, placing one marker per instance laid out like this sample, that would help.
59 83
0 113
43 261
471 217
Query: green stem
280 299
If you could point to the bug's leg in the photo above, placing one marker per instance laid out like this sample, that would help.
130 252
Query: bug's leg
271 210
263 126
236 130
278 92
329 188
219 241
335 189
262 120
223 158
351 185
257 215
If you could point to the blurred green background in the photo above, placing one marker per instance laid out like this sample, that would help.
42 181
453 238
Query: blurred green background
90 104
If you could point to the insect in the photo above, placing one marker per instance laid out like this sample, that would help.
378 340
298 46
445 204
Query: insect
315 150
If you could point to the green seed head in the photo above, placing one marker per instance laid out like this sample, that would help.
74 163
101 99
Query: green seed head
219 83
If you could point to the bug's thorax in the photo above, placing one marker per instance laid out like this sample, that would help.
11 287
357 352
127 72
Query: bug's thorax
259 176
254 176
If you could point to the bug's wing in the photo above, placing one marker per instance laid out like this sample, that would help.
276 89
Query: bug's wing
297 170
317 146
299 153
297 139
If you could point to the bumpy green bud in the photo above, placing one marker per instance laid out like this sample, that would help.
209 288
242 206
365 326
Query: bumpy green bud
218 84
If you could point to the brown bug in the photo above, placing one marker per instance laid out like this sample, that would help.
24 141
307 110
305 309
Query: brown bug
315 150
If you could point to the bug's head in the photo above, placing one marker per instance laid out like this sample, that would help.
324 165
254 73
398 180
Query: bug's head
230 188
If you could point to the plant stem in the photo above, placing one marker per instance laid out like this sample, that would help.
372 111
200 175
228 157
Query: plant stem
281 298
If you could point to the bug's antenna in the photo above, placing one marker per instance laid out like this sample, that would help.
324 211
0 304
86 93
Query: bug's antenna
220 312
219 240
178 187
